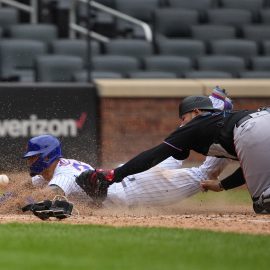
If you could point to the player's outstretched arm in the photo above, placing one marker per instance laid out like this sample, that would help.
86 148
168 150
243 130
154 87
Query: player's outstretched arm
147 160
234 180
212 185
212 167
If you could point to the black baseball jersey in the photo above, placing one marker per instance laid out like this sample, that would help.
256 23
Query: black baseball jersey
209 134
198 135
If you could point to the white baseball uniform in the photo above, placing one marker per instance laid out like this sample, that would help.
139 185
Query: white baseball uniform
64 176
163 184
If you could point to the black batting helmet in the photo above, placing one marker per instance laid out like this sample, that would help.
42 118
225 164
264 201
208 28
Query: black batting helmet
195 102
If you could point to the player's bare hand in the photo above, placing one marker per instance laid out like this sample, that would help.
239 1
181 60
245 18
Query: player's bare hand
212 185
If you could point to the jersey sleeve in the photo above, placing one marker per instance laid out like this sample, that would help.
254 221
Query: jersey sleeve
149 159
66 183
234 180
184 138
38 181
212 167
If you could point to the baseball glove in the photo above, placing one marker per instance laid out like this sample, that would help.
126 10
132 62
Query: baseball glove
45 209
95 183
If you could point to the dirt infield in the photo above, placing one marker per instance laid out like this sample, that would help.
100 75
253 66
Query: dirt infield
230 219
238 223
190 214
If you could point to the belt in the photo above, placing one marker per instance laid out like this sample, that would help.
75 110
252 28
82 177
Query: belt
252 115
242 120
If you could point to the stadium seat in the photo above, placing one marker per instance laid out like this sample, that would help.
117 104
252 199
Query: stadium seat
18 57
256 32
266 47
175 64
152 75
172 22
139 9
129 47
128 30
210 32
255 75
42 32
99 19
115 63
231 17
231 64
62 3
57 68
236 47
8 17
265 16
253 6
82 9
108 3
82 76
260 63
201 6
75 47
182 47
208 74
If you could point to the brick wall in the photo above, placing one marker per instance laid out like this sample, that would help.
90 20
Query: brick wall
132 125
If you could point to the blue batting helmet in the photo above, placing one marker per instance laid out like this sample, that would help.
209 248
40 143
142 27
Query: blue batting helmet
47 148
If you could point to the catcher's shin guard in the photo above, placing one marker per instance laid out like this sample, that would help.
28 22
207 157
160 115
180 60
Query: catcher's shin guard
262 205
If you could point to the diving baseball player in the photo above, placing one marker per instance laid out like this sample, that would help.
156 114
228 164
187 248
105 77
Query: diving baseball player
163 184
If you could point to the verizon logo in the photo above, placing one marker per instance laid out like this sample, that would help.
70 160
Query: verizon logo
33 127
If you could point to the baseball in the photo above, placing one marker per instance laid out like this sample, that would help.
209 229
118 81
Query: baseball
4 180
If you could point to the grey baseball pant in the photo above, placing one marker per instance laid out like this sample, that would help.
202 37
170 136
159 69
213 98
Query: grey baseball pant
252 144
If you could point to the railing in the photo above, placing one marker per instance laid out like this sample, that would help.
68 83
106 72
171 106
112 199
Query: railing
32 8
73 26
84 31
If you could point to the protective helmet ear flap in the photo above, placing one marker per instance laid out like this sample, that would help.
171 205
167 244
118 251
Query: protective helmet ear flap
47 148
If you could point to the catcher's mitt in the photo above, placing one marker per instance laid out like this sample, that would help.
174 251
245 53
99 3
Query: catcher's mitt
95 184
59 209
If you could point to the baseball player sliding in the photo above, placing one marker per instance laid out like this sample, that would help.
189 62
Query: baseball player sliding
163 184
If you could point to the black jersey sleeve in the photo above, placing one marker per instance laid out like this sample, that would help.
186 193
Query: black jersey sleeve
234 180
149 159
196 135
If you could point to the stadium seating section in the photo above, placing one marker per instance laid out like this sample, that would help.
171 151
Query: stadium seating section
192 39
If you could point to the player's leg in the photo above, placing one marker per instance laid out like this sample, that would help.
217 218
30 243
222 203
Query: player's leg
159 187
253 149
117 193
116 196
